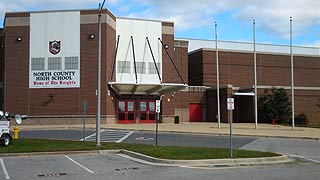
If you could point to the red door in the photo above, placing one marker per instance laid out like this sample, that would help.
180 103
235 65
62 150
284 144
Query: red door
195 112
126 111
147 111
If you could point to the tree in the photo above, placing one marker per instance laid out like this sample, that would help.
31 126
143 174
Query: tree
274 104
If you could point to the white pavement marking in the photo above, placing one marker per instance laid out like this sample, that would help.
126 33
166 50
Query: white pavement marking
125 137
94 134
110 136
4 169
304 157
80 165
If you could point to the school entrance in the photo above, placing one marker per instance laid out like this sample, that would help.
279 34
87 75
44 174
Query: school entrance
131 111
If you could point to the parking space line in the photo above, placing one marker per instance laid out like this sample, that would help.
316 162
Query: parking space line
80 165
4 169
125 137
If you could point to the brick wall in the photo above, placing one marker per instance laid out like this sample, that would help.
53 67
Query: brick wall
66 101
16 83
236 68
195 69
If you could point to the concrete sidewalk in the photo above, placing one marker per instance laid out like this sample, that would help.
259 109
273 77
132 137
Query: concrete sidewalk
263 130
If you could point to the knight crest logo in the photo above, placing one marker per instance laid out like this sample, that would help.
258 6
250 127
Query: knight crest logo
54 47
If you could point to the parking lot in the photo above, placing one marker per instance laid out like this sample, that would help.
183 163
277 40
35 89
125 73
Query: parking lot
113 166
80 166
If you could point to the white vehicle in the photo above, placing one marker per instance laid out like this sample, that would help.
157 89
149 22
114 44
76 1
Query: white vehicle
5 136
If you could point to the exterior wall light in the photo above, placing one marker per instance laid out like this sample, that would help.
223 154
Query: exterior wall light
19 38
51 96
166 46
92 36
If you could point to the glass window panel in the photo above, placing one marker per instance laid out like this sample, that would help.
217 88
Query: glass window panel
130 116
143 106
123 66
37 64
130 106
143 116
54 63
122 116
121 106
152 68
71 63
141 67
152 117
151 106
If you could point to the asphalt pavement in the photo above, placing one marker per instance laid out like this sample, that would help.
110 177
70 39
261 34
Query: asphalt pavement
101 167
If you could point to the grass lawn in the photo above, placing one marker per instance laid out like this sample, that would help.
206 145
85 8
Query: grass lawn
166 152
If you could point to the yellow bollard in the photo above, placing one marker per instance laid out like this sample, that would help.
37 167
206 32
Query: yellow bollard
15 132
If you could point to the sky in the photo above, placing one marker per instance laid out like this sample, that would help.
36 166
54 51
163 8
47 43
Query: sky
195 18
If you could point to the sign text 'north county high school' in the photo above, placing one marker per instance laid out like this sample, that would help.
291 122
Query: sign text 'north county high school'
54 79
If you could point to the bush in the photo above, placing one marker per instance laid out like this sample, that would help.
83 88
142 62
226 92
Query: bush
301 119
274 104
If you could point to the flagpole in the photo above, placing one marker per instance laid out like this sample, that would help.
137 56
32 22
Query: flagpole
217 69
255 76
292 77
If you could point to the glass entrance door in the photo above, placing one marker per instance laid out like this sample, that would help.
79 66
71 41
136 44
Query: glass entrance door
126 111
147 111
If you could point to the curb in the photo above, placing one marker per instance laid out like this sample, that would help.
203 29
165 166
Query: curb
141 158
266 160
101 152
223 134
48 153
173 131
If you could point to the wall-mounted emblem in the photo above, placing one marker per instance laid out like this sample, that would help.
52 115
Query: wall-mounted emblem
54 47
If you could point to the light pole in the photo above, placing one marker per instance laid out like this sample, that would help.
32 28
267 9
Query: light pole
255 76
292 75
217 70
99 78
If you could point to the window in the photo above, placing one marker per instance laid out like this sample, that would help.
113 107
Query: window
54 63
143 106
121 106
123 66
141 67
152 68
37 64
71 63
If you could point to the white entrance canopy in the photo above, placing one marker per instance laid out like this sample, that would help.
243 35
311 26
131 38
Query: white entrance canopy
146 89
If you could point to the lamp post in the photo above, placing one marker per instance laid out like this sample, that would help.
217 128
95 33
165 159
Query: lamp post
98 128
217 70
255 76
292 75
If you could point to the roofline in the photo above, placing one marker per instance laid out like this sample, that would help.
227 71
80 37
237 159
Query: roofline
72 10
243 42
48 11
251 52
140 19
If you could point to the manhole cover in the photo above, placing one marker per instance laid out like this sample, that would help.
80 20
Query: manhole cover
52 175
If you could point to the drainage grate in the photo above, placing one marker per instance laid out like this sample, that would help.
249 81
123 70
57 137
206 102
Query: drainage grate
222 165
52 175
127 169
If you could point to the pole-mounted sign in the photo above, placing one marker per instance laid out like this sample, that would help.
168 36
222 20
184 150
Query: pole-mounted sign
157 106
230 107
230 103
